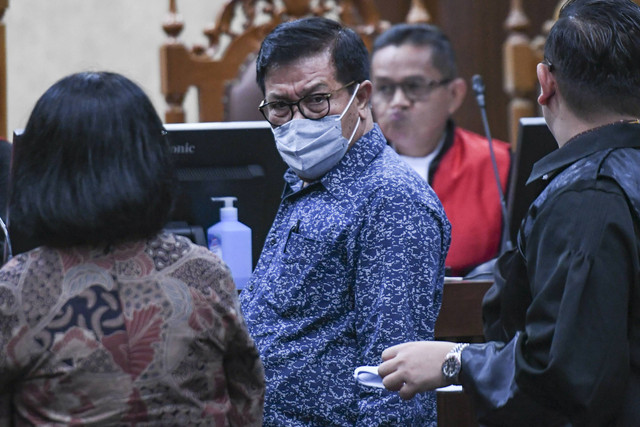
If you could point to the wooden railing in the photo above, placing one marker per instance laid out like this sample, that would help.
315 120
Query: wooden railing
520 56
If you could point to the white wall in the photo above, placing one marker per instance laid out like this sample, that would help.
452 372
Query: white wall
49 39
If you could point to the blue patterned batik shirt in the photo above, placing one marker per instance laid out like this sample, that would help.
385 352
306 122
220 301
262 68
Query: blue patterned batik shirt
353 264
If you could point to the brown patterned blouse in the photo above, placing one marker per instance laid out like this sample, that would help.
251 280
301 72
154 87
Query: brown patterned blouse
146 333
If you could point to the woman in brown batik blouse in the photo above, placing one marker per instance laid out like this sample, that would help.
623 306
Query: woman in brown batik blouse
110 320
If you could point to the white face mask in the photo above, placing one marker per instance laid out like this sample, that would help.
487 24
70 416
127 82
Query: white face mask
312 147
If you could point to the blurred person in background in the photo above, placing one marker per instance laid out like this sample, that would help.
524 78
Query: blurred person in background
416 90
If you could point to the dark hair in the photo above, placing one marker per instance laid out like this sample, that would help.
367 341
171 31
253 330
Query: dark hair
307 37
594 49
424 35
92 166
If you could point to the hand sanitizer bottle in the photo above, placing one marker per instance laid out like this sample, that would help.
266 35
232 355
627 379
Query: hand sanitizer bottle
231 240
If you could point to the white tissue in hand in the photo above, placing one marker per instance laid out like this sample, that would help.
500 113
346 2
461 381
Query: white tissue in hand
368 376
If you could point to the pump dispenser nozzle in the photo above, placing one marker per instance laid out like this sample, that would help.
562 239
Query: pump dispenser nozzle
228 212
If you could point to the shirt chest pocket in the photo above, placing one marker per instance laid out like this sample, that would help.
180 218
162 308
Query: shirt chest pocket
307 266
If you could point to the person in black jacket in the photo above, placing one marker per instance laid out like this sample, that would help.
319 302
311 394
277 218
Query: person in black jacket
563 317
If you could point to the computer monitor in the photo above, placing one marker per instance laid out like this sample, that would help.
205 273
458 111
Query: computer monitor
534 142
221 159
237 159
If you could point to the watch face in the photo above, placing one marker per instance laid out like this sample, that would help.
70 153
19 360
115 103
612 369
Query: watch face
451 367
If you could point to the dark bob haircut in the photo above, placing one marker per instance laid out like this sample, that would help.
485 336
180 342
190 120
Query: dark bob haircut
307 37
594 49
423 35
92 166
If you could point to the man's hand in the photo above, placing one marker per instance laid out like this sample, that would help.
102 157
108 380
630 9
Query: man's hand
414 367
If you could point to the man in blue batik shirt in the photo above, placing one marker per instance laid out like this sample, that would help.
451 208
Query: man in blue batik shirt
354 261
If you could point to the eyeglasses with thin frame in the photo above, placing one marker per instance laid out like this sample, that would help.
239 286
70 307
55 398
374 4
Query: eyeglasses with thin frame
313 106
414 89
549 64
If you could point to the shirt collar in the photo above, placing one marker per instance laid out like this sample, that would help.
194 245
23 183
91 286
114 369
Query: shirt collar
615 135
422 164
355 162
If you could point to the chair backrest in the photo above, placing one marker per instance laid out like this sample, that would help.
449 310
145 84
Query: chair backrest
223 72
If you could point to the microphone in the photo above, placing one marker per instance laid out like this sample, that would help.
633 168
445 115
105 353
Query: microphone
478 88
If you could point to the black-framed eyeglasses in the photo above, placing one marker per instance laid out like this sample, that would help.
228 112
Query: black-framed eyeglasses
548 63
414 89
313 106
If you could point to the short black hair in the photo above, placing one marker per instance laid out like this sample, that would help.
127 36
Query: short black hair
93 165
424 35
594 49
307 37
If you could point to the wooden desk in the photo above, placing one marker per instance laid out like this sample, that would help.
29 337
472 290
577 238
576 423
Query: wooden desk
461 311
460 320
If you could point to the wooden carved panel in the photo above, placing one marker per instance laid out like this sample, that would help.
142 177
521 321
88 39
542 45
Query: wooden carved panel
234 39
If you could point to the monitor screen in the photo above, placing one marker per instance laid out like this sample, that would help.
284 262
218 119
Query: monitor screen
534 142
237 159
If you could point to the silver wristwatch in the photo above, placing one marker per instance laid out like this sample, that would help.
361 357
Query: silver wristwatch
452 364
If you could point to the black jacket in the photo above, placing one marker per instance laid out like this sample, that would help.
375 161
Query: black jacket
564 314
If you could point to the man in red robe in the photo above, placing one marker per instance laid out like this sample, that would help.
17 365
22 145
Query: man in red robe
416 89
